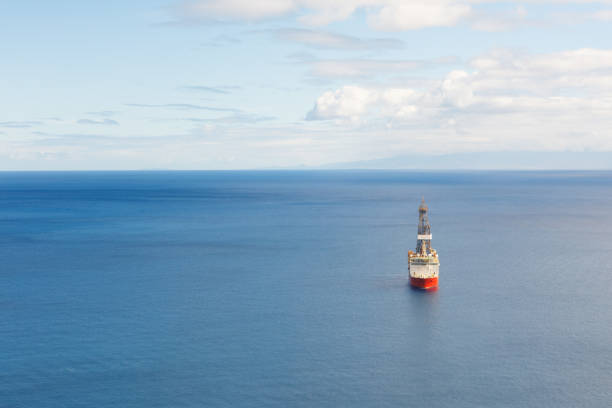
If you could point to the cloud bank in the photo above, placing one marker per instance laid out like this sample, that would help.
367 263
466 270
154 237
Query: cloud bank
381 15
558 100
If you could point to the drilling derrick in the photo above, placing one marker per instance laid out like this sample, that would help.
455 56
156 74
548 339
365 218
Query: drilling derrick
423 231
423 264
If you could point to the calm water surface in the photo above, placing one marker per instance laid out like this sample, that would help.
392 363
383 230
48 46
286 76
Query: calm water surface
288 289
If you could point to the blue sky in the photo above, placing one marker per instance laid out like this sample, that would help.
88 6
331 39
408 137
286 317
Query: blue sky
210 84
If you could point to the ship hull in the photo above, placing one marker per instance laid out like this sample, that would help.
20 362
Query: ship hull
424 283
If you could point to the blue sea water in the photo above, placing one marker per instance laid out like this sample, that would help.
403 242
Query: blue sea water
289 289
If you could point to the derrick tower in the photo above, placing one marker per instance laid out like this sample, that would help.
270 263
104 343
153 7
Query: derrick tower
424 231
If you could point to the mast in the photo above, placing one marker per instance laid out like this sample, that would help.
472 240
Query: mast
424 231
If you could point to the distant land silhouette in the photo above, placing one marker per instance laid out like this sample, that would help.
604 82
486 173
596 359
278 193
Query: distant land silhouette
488 161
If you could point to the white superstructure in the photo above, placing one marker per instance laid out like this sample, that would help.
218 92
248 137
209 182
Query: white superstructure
423 267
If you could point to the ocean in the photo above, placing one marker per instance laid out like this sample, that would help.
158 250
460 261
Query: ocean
289 289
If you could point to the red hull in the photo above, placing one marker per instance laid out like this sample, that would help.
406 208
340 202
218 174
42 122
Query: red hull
424 283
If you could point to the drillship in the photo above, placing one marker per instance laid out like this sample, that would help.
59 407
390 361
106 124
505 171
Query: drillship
423 264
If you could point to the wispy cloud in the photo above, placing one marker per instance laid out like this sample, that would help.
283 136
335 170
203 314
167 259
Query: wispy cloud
602 15
381 15
205 89
356 68
384 15
103 113
501 20
224 89
101 142
223 10
182 106
106 122
221 41
414 15
328 40
49 138
241 118
20 124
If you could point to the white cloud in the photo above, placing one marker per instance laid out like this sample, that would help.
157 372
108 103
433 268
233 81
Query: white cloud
456 89
499 21
383 15
500 80
413 15
356 103
237 9
550 101
357 68
323 12
603 15
349 102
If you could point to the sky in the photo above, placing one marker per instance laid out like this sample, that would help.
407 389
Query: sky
242 84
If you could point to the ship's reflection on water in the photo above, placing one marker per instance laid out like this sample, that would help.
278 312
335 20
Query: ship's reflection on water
423 308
